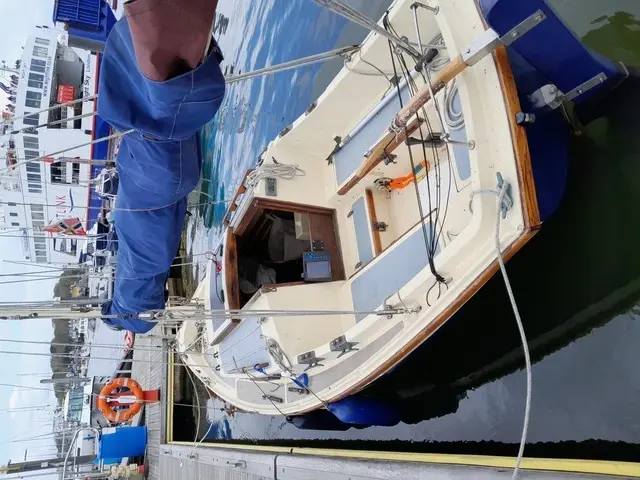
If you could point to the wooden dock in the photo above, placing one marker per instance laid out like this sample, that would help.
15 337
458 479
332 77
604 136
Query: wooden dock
169 461
149 368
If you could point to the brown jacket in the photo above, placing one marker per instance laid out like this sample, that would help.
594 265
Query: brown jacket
170 37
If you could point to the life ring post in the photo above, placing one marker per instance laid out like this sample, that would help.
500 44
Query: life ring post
151 396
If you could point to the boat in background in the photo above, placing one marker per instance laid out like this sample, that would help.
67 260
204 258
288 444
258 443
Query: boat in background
378 213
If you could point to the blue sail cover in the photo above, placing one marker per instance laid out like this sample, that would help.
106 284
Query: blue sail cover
158 165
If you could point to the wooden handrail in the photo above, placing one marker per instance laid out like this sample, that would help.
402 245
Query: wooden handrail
384 147
396 136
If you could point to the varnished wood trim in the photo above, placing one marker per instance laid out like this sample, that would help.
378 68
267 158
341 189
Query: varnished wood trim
322 227
520 143
252 212
240 190
437 322
387 145
373 219
232 293
454 68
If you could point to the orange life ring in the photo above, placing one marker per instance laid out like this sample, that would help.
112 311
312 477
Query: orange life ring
108 393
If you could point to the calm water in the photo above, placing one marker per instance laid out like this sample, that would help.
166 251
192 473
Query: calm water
577 283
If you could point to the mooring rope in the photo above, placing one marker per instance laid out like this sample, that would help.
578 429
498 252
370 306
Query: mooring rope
516 312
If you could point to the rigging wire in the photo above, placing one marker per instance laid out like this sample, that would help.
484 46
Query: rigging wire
57 106
91 345
264 394
430 250
451 119
64 150
174 315
115 209
378 71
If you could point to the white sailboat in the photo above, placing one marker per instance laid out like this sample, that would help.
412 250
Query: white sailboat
341 215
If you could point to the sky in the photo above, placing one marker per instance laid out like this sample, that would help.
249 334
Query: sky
17 20
17 425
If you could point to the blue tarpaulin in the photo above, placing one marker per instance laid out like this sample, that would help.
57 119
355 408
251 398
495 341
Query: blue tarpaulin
158 166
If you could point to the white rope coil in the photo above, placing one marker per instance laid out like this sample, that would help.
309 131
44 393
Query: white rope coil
274 170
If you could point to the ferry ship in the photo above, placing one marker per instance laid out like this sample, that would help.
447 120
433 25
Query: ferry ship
34 194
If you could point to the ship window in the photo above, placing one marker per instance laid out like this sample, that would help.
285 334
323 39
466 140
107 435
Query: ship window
31 143
13 214
75 173
33 168
33 99
33 175
14 224
36 80
11 204
59 172
41 52
30 155
38 63
34 188
31 120
42 41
